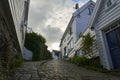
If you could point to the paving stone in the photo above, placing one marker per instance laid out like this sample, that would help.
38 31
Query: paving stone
28 71
58 70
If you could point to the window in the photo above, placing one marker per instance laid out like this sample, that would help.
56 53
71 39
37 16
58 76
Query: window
65 40
90 11
65 51
70 31
70 45
109 3
90 8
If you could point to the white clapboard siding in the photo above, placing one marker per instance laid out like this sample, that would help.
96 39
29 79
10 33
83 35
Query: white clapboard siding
107 16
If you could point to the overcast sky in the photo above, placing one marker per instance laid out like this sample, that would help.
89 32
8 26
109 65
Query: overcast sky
51 17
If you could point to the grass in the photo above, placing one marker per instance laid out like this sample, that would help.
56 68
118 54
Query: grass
94 64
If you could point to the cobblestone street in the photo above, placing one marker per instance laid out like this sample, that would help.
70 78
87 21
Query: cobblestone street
58 70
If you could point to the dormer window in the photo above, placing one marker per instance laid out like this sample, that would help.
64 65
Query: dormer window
109 3
90 11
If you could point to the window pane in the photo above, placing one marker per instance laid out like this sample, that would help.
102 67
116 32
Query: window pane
109 3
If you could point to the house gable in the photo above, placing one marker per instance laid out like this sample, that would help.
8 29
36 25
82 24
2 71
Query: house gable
104 14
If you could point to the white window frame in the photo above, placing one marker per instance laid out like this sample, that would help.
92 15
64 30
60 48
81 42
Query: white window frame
112 2
107 8
109 3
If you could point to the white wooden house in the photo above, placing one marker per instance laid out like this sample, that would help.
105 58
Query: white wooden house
79 43
77 25
106 22
13 24
67 43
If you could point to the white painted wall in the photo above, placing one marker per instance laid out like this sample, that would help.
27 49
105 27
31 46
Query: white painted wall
78 44
19 15
81 23
105 17
27 54
78 23
54 56
67 40
81 19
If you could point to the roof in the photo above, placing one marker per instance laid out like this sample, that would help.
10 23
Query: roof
81 9
94 14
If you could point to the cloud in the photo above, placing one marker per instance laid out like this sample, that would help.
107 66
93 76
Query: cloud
53 34
76 0
50 18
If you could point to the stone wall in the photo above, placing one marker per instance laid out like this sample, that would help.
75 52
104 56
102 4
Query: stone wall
9 51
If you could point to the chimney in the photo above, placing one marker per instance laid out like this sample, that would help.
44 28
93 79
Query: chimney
76 6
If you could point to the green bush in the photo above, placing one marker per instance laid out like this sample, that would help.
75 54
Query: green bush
17 63
80 60
37 44
93 63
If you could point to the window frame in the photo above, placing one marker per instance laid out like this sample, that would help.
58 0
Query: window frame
112 3
109 3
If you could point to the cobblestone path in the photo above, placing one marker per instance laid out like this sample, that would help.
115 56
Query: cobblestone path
28 71
59 70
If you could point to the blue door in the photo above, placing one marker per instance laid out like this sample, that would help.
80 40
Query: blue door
113 39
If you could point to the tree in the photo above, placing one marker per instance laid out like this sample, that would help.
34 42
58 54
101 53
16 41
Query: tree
87 45
36 43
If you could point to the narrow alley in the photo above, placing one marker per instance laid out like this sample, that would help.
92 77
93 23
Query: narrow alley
59 39
58 70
